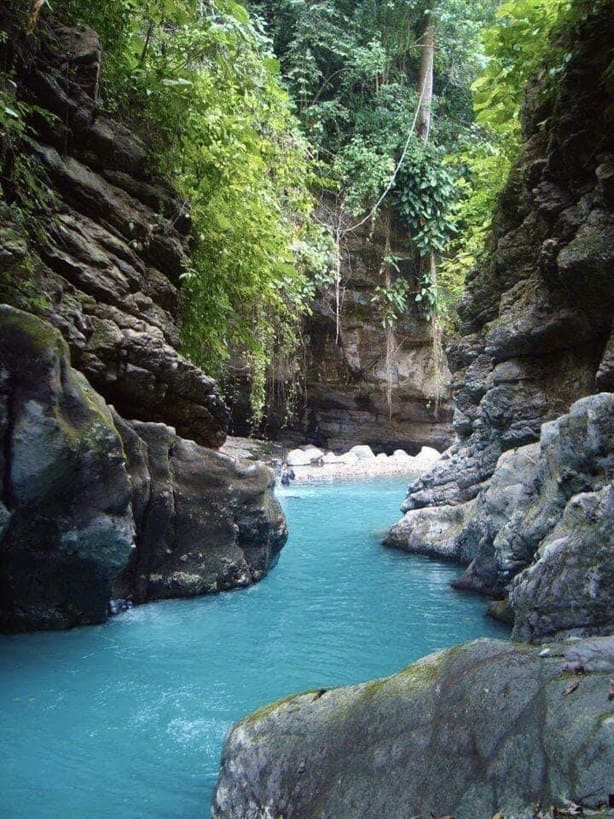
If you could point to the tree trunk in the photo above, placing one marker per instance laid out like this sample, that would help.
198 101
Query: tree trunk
425 80
428 264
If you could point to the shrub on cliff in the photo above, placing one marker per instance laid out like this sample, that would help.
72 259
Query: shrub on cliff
199 82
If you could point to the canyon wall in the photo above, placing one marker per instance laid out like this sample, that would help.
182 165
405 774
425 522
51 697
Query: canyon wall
361 382
105 266
109 489
533 372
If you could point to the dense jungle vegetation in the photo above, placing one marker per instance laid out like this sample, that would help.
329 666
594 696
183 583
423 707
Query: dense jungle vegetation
285 124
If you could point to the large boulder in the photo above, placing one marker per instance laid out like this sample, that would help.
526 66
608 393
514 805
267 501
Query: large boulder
94 507
205 522
66 525
438 532
488 727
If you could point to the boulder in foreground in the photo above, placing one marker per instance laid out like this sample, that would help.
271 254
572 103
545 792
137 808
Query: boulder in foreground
485 727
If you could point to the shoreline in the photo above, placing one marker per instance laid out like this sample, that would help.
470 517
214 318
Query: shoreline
312 465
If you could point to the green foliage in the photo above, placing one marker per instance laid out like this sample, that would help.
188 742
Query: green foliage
520 49
200 81
353 68
20 182
425 192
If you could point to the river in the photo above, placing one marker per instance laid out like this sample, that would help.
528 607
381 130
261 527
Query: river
126 720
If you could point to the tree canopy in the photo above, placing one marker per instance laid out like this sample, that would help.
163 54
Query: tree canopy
253 110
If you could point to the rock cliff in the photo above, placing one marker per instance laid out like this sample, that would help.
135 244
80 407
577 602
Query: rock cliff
105 271
537 336
536 321
94 507
387 389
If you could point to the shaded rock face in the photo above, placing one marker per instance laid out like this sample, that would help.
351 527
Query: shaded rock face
536 322
95 507
346 376
205 523
108 270
66 528
468 732
547 504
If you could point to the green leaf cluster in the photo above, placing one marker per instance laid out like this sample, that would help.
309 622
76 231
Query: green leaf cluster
519 48
425 193
21 184
352 69
200 81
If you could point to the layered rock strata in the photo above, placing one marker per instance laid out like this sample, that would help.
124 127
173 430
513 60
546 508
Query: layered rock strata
114 247
362 382
486 728
536 321
95 507
543 525
365 383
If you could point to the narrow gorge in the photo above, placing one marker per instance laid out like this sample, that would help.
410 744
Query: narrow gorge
116 491
523 498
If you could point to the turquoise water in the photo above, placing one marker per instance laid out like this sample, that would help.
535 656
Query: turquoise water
126 720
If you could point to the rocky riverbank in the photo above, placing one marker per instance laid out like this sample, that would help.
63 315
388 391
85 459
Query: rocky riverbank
308 464
95 507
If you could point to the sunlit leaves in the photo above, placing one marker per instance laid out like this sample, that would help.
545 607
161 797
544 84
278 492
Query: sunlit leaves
200 81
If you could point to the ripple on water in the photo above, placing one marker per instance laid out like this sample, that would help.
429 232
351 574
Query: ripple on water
127 719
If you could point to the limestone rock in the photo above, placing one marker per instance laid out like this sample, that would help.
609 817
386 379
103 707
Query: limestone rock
568 589
363 452
575 454
482 728
426 457
524 499
438 531
304 457
66 528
